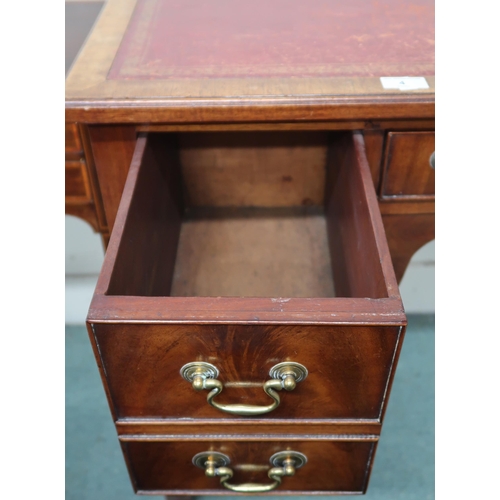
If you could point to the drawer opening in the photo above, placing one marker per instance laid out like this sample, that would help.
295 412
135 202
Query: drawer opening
248 214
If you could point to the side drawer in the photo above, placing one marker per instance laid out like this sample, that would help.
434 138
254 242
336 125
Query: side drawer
244 289
79 196
73 143
165 467
77 184
407 170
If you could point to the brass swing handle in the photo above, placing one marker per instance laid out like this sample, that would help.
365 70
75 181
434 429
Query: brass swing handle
215 464
283 376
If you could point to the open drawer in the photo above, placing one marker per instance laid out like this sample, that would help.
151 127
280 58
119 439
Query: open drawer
232 258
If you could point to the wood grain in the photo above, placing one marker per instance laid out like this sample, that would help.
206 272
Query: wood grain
84 210
77 186
94 182
112 149
254 254
409 207
375 126
165 467
407 171
405 235
79 196
220 147
253 168
108 308
259 254
146 256
374 146
267 428
82 197
73 144
355 229
247 310
92 96
349 368
253 110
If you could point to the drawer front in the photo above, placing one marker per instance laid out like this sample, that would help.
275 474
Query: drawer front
164 467
72 137
77 185
79 200
407 170
349 368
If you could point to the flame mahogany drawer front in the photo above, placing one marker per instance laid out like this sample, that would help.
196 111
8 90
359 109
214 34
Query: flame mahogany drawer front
234 296
325 467
349 367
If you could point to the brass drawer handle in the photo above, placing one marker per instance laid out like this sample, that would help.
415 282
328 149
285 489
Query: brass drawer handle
284 464
432 160
283 376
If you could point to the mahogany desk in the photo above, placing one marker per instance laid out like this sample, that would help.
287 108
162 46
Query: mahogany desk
274 192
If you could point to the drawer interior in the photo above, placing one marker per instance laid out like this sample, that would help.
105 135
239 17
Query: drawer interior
248 214
268 253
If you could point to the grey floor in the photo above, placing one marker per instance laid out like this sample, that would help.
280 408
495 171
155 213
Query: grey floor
404 465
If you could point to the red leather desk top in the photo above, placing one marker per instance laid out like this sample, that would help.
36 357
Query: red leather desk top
276 38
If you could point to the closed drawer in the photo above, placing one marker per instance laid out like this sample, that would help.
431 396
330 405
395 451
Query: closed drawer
331 466
73 143
245 288
77 185
407 169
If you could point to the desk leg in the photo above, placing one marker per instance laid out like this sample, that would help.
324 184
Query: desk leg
406 233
